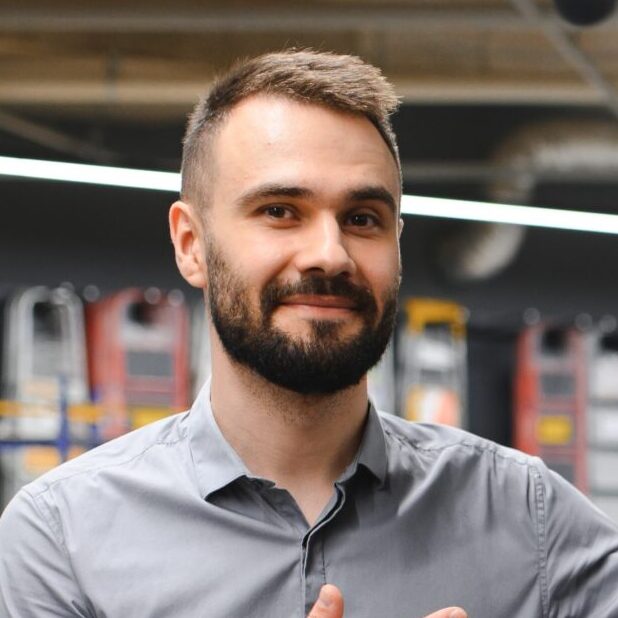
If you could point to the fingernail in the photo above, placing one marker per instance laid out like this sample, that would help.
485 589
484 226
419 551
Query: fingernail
326 598
457 613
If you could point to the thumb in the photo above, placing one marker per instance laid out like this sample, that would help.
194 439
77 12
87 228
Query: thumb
448 612
329 603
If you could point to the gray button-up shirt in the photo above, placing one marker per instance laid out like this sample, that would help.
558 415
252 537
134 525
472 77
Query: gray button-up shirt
168 522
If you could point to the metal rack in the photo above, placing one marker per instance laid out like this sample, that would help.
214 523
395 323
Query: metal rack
62 443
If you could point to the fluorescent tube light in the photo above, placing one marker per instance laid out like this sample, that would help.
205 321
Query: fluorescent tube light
92 174
410 204
505 213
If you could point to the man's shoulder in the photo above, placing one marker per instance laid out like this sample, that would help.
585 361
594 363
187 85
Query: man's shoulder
443 440
119 453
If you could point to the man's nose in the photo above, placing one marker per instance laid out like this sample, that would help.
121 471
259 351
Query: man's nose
323 248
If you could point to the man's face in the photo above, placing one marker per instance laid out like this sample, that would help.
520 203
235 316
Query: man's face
302 245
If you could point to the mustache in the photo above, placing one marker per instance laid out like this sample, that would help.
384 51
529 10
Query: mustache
274 293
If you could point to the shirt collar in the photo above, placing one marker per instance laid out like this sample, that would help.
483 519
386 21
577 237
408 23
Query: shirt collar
217 463
372 451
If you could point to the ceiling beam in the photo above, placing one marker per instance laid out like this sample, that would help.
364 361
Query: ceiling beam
264 19
53 139
183 94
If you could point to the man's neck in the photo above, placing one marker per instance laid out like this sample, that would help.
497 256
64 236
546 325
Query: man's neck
303 443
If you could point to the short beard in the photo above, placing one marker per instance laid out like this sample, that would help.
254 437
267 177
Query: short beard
320 364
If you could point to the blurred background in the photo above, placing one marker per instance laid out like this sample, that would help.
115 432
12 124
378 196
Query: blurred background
506 330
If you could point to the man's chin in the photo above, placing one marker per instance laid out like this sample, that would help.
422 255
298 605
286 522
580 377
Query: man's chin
308 329
310 382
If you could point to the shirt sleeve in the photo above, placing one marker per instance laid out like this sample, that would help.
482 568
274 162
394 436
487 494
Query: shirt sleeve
36 579
581 550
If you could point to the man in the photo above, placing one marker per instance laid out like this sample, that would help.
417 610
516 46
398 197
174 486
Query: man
283 492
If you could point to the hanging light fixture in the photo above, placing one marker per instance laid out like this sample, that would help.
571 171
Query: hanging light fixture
585 12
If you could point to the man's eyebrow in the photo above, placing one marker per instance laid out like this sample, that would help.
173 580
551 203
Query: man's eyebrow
275 190
272 190
375 193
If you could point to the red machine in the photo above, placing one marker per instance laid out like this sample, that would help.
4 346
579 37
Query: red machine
138 357
550 399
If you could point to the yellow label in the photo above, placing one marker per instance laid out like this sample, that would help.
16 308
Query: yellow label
9 408
40 459
144 416
554 430
424 311
412 403
85 412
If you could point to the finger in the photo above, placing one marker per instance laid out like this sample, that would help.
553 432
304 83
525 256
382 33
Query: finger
329 603
449 612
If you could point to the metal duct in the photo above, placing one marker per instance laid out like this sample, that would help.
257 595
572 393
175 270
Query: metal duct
552 150
477 251
549 150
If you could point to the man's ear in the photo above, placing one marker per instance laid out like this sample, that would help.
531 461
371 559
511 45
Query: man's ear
400 226
187 237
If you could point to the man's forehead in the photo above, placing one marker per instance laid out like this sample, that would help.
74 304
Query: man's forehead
273 125
273 115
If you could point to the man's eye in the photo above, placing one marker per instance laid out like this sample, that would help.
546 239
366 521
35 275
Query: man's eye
362 220
277 212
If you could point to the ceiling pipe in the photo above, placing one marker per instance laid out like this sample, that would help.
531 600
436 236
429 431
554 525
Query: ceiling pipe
553 149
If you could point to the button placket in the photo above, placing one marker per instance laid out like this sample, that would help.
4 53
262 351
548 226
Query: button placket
313 568
312 554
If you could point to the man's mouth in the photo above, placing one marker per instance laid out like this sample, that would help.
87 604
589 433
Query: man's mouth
324 301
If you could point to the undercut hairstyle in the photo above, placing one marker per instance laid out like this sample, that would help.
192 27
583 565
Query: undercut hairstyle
338 82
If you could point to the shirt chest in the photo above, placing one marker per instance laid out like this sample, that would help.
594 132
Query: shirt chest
247 554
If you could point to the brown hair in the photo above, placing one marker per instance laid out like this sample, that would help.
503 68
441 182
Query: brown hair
341 82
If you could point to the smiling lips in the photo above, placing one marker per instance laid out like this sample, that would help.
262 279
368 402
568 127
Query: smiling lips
320 303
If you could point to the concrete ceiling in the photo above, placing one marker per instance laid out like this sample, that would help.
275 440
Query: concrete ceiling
148 61
153 59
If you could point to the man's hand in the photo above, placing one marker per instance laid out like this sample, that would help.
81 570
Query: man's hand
330 605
